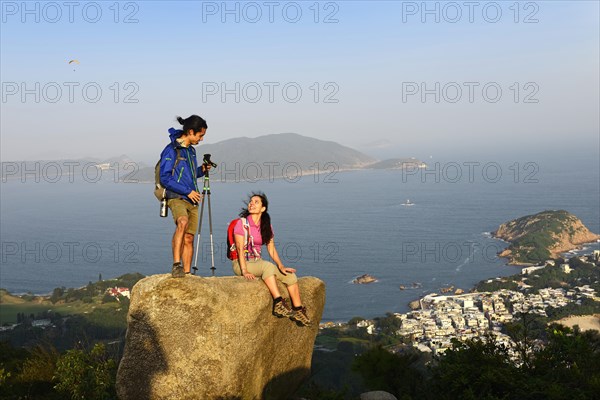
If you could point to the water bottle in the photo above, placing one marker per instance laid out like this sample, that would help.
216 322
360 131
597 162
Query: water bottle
164 210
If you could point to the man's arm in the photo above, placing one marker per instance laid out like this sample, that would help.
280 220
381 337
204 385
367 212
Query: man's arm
168 177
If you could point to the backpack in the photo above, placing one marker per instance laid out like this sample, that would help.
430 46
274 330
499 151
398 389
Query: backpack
159 190
232 252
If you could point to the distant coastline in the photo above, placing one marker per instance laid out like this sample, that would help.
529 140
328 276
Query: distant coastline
264 158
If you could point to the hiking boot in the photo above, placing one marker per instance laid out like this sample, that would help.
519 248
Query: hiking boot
177 271
281 309
300 317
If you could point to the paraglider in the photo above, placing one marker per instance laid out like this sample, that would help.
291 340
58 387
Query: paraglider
74 62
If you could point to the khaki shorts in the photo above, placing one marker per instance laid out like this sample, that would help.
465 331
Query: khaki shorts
264 269
182 208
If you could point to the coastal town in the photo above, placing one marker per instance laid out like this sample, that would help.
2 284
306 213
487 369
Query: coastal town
440 318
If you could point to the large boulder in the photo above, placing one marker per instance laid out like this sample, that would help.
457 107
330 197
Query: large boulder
214 338
377 395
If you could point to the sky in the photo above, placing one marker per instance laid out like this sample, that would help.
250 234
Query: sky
389 78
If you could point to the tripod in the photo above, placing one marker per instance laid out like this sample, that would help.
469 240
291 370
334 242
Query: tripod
205 195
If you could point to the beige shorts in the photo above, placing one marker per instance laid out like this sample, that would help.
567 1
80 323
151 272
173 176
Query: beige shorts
263 269
182 208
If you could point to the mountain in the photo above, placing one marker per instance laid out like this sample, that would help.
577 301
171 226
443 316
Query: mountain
535 238
274 156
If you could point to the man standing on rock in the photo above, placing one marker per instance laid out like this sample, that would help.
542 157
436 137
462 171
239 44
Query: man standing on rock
179 172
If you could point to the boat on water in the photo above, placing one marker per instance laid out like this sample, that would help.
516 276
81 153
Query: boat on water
408 203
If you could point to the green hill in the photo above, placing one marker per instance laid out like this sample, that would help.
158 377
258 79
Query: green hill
535 238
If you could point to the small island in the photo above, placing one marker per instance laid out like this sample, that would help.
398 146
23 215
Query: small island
366 278
536 238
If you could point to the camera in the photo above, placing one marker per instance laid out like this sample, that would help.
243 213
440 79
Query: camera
206 161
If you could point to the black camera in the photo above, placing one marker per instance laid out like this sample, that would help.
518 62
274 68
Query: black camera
207 161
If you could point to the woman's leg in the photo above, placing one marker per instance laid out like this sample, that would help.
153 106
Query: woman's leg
295 295
261 269
271 283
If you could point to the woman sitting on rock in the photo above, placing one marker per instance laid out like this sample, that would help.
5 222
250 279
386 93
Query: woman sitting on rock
254 226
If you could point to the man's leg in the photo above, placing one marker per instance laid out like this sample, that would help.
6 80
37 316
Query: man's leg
188 250
178 238
188 238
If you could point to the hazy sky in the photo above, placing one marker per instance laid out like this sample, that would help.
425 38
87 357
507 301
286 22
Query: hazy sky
388 78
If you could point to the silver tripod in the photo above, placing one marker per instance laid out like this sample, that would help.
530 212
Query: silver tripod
205 195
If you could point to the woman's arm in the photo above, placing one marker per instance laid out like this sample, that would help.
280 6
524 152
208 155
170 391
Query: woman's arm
239 245
275 257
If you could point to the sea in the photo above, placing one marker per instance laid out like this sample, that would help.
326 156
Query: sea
415 231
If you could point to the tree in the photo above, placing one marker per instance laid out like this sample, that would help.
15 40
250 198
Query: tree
389 324
57 293
84 375
569 365
397 374
107 298
36 372
477 369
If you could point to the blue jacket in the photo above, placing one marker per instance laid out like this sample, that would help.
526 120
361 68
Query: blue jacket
181 182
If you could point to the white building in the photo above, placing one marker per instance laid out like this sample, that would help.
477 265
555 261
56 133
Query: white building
565 268
529 270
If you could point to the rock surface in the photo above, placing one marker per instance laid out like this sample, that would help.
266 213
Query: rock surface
377 395
534 238
214 338
415 305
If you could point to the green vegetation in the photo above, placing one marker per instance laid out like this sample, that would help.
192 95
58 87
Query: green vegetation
582 273
74 316
535 234
394 373
498 284
86 300
43 373
567 367
68 356
86 375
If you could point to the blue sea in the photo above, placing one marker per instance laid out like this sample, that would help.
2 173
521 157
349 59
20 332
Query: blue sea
332 226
